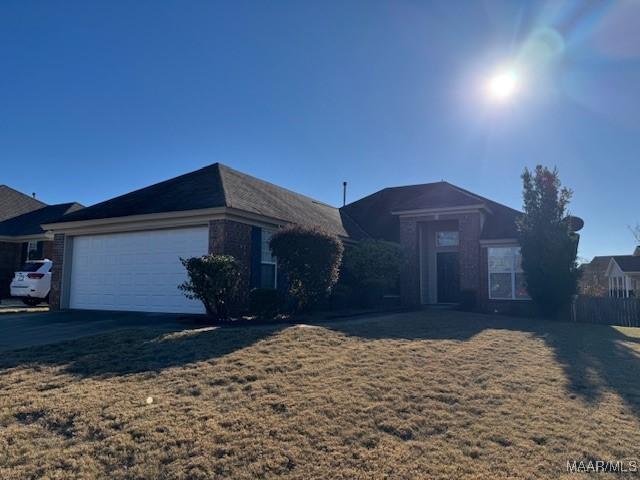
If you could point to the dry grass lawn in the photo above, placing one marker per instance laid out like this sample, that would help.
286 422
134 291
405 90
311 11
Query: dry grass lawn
421 395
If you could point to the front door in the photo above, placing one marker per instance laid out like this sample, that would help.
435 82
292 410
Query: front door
448 268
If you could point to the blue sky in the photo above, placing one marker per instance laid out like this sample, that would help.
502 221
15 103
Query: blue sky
99 98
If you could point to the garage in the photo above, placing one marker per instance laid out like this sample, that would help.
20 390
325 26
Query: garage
135 271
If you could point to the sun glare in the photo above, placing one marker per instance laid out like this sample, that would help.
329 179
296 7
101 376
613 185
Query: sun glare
502 85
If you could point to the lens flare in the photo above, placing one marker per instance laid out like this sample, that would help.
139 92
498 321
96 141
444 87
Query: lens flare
502 85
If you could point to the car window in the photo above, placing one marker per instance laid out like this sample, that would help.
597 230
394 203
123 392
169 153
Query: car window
31 267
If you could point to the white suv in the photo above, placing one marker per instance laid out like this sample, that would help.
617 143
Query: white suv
32 282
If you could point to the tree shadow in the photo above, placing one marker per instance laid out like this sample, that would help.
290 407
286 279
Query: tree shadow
594 358
137 350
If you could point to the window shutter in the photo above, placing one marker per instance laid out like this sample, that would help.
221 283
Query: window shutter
256 256
39 250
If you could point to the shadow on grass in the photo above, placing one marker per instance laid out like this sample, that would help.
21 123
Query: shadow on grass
137 350
595 358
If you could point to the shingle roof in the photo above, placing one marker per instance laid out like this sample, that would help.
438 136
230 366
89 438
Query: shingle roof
628 263
374 213
218 185
30 223
14 203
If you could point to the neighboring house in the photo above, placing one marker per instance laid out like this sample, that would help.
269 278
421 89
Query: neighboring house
593 281
623 275
22 238
123 254
12 204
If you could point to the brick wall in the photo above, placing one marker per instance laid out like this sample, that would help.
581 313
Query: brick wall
410 275
234 238
57 256
47 249
10 254
469 228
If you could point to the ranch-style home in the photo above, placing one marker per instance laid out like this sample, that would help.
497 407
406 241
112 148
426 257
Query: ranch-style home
123 254
21 235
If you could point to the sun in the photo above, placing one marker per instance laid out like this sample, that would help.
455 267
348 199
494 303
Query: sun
502 85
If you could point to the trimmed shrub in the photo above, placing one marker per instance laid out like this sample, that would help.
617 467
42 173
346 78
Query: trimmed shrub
266 302
310 258
373 267
214 280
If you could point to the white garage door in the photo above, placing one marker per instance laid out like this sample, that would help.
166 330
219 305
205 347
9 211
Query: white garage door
137 271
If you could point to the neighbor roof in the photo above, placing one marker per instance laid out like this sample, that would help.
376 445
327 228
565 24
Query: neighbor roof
375 212
14 203
30 223
218 185
628 263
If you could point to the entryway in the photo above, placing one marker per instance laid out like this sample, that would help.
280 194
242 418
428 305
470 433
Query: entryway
448 277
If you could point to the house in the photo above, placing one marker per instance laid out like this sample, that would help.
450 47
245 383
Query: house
22 237
593 281
456 241
12 204
123 254
623 275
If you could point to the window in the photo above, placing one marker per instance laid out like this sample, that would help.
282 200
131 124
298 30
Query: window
268 264
32 250
506 278
447 239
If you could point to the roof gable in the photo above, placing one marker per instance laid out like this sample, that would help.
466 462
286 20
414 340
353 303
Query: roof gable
14 203
374 213
626 263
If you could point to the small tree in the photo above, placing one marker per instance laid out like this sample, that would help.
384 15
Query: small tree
548 246
310 258
373 267
214 280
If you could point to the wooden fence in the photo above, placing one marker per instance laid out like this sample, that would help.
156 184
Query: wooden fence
606 310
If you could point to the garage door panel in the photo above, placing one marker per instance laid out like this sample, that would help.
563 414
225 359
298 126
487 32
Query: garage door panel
137 271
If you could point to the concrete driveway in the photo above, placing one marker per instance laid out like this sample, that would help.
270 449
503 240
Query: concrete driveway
28 329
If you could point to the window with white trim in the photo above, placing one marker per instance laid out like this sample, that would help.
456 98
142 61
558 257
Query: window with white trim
268 263
506 278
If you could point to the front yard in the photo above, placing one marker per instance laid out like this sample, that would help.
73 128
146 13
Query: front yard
420 395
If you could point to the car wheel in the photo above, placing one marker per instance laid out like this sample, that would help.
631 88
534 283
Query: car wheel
32 302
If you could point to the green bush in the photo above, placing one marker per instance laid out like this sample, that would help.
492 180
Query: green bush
548 245
214 280
310 258
373 268
266 302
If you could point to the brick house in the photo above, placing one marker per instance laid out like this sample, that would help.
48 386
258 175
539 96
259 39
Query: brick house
123 254
23 238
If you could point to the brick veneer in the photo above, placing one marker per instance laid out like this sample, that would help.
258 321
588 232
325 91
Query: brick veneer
57 256
47 249
234 238
410 275
469 226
